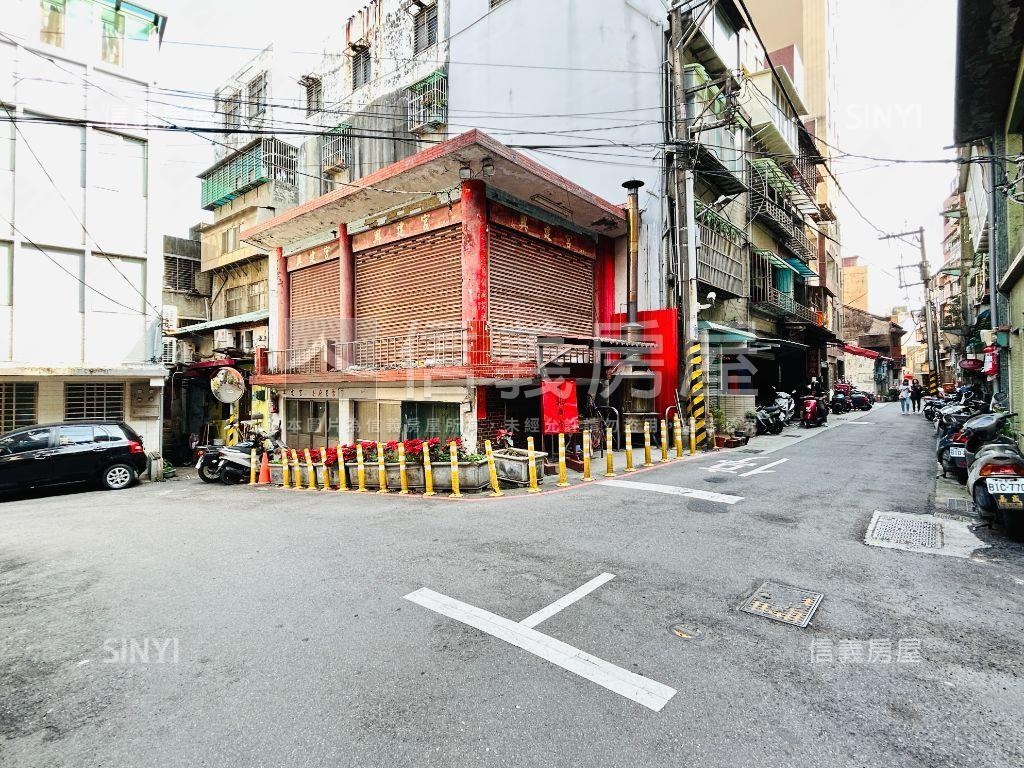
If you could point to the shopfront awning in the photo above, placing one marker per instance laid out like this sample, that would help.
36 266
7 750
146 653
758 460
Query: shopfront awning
801 268
855 350
724 334
226 322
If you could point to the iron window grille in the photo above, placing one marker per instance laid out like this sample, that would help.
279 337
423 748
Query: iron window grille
259 161
257 296
232 109
336 150
314 94
180 273
94 402
425 29
362 68
18 406
428 103
234 301
258 95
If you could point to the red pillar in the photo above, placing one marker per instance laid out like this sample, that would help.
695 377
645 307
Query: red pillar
347 297
474 270
604 286
282 310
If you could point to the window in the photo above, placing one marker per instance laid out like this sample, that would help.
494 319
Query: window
231 106
53 15
74 435
234 301
180 273
257 296
361 68
18 406
94 402
377 420
33 440
311 423
258 95
229 239
426 420
314 94
124 164
6 274
336 150
112 26
425 29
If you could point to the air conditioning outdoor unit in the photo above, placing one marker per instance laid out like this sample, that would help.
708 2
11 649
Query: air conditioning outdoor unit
186 351
170 352
223 338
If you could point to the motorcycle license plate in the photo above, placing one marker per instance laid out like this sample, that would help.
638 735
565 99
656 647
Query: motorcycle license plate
957 452
1015 486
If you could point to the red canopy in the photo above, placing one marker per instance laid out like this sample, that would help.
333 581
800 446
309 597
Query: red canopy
855 350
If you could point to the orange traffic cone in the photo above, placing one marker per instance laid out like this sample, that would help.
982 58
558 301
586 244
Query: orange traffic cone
264 478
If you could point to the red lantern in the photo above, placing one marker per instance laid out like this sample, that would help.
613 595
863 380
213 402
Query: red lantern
991 365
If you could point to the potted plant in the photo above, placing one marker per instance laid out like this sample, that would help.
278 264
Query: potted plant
749 427
513 464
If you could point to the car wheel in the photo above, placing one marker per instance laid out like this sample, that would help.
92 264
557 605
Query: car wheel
117 477
209 473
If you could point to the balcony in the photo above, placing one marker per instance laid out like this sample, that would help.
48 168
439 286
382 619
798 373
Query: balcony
770 118
721 252
771 300
771 207
428 104
258 162
785 183
802 246
718 151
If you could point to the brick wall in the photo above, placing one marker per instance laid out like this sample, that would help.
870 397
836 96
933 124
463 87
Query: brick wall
487 427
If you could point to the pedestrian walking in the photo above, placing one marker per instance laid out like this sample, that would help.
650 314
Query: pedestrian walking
916 393
904 396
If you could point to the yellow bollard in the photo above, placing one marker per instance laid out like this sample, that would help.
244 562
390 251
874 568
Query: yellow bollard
492 470
647 444
382 472
609 459
664 441
296 471
629 448
693 436
310 472
586 456
324 474
342 472
563 480
402 474
360 469
677 434
531 456
453 453
285 474
428 473
252 467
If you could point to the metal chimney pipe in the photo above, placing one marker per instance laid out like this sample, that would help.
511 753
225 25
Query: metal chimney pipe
632 328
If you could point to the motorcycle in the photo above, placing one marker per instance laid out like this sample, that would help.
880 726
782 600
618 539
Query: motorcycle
951 453
232 464
814 412
862 401
769 420
840 402
996 476
786 405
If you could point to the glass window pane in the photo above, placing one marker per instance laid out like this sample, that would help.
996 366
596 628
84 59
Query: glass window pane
51 27
74 435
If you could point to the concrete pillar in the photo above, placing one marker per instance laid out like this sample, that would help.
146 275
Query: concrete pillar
280 324
474 270
347 298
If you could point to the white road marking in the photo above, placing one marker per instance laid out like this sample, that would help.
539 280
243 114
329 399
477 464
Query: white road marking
642 690
765 468
673 490
580 592
860 422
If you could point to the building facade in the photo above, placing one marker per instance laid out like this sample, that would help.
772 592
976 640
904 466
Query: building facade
855 283
80 257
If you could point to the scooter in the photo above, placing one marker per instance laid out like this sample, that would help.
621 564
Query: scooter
996 480
951 453
769 420
862 401
840 402
786 405
232 464
814 412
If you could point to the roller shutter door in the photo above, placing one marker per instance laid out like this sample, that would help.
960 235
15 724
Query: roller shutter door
315 304
535 285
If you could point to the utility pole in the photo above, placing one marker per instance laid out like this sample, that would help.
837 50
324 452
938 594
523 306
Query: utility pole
929 320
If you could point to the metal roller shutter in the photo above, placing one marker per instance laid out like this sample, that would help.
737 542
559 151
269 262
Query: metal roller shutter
315 304
535 285
409 286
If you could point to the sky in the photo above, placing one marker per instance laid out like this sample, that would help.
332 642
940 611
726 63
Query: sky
894 86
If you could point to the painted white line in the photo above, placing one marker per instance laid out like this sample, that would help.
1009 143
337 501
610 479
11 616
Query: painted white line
564 602
673 490
642 690
860 422
765 468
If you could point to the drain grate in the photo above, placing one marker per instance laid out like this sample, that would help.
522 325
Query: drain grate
790 605
960 506
907 532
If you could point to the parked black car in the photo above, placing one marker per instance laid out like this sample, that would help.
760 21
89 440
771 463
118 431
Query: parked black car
108 453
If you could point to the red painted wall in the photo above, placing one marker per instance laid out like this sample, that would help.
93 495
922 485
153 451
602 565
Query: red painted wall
661 327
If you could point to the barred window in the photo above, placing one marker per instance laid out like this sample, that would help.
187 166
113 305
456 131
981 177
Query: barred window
18 406
361 68
180 273
258 95
314 94
231 107
257 296
94 402
336 149
234 301
425 29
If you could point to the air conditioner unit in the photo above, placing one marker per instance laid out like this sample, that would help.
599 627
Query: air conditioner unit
186 351
170 351
223 338
169 312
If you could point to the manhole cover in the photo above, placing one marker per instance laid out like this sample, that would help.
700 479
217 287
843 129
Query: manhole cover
961 506
687 631
908 532
789 605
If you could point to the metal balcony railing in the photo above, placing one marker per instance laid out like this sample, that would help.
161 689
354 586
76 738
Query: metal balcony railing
258 162
428 103
304 360
439 348
722 251
768 298
801 246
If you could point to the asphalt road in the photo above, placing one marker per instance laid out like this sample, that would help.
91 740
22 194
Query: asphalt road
179 624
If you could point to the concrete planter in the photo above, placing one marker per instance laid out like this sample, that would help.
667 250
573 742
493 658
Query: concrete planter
513 465
413 472
473 476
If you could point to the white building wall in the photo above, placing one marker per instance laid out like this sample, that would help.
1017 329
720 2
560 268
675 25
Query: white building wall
574 72
77 211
